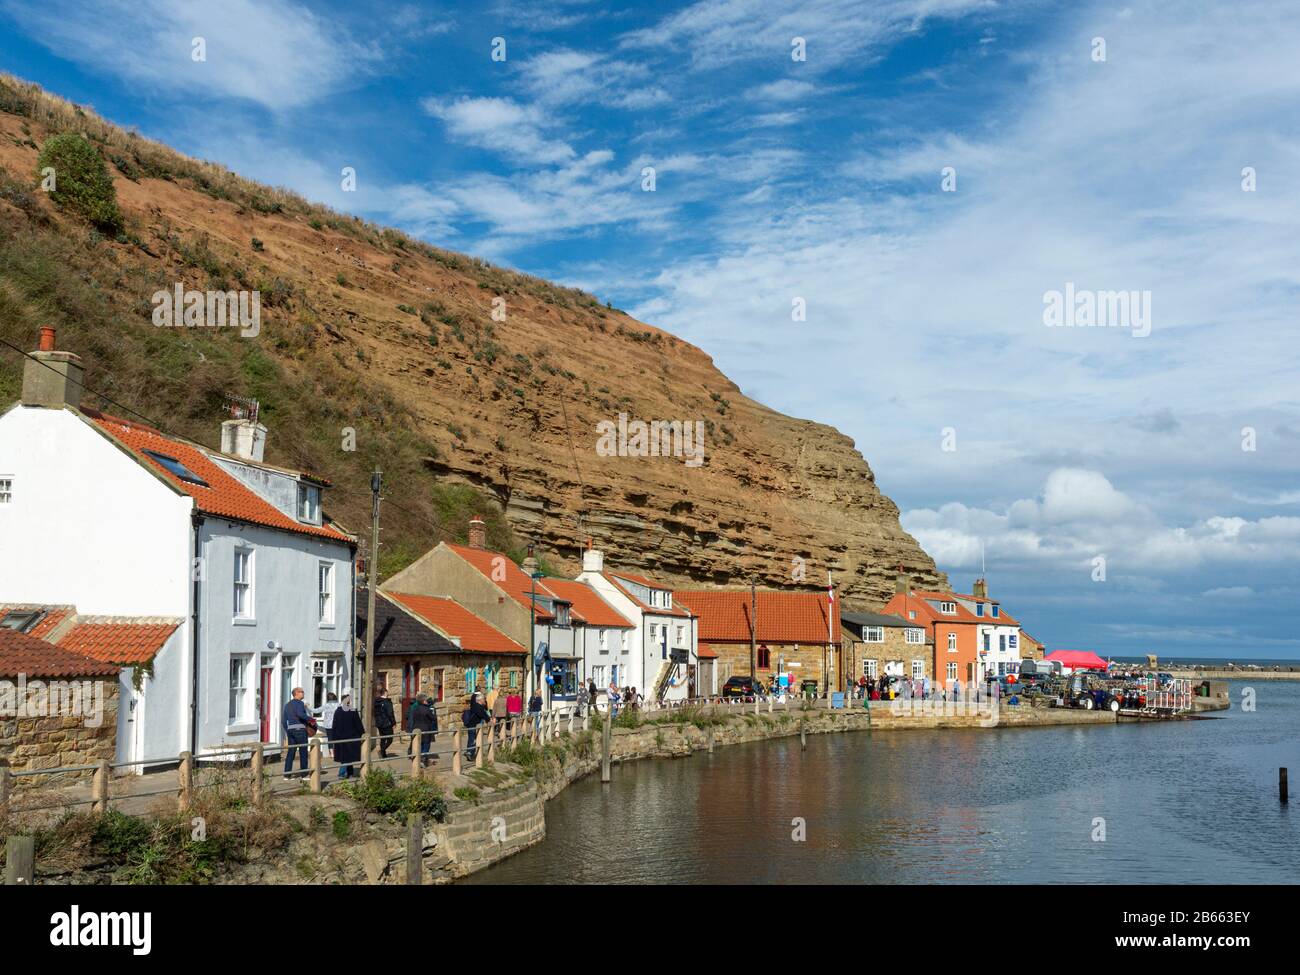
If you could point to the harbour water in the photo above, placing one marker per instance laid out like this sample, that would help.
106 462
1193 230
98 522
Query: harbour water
1176 801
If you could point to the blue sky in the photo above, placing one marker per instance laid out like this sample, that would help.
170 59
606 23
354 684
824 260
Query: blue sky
820 179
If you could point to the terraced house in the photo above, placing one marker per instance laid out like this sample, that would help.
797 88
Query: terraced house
877 645
951 629
117 518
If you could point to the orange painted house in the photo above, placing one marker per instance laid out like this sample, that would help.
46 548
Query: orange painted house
949 624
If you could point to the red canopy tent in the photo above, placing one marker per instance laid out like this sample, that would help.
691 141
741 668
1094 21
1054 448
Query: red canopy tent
1077 659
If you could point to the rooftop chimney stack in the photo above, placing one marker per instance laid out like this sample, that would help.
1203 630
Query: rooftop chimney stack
530 561
593 559
902 584
980 589
52 379
243 438
477 533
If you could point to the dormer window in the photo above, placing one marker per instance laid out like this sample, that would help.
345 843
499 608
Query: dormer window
561 614
948 608
309 504
994 610
979 609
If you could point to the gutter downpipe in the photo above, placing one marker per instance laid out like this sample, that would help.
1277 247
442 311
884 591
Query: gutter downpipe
196 573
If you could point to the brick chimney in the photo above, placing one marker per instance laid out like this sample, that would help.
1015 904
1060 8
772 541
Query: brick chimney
51 378
902 584
530 561
980 590
593 559
477 533
243 438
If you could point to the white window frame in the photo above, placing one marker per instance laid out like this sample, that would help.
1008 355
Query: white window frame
948 609
914 635
869 668
918 669
237 686
6 489
604 641
625 642
309 504
325 595
249 613
681 637
952 642
873 634
952 670
320 667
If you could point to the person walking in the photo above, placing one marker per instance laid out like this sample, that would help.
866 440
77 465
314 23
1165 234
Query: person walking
535 709
423 718
297 723
615 695
348 732
500 709
472 717
327 719
582 699
592 693
385 721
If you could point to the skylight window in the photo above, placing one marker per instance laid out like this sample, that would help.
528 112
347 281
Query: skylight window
174 466
22 622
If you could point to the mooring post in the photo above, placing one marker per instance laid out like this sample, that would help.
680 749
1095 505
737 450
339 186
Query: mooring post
414 848
709 733
1281 784
803 735
20 861
605 735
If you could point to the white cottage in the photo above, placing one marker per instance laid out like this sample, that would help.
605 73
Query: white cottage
121 519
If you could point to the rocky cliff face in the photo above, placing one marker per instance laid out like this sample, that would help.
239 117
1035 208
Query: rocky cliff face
363 328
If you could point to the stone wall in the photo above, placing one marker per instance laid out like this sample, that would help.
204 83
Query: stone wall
33 743
455 692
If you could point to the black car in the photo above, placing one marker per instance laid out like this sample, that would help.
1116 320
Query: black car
743 687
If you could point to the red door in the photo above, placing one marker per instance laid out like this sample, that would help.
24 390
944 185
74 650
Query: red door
265 703
410 688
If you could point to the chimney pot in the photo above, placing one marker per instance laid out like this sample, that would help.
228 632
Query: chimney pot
47 338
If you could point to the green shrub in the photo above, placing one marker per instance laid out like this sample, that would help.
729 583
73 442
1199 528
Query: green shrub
342 824
467 793
381 793
81 181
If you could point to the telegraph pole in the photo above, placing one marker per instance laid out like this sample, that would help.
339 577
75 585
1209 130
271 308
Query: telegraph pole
753 626
372 580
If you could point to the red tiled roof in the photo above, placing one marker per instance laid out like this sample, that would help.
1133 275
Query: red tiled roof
501 570
54 616
705 652
918 599
476 635
118 643
24 654
588 606
223 495
783 617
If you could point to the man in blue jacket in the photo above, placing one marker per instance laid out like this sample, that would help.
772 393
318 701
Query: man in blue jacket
297 722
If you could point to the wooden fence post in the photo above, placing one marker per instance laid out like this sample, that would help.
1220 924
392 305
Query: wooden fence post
6 783
480 746
455 755
494 732
314 761
414 848
259 772
99 788
185 779
365 756
20 861
415 754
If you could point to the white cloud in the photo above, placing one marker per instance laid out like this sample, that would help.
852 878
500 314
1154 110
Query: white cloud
784 90
279 55
500 125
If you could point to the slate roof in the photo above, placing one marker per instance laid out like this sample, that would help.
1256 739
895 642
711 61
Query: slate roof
398 632
876 619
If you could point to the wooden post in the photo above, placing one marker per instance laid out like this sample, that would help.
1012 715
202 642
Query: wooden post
605 736
493 732
20 861
185 779
6 783
770 705
99 788
313 761
571 716
415 754
482 746
1281 784
709 734
365 756
455 755
414 848
258 766
803 735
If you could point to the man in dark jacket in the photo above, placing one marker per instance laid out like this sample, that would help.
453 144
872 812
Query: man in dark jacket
475 715
296 722
385 721
348 732
424 719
